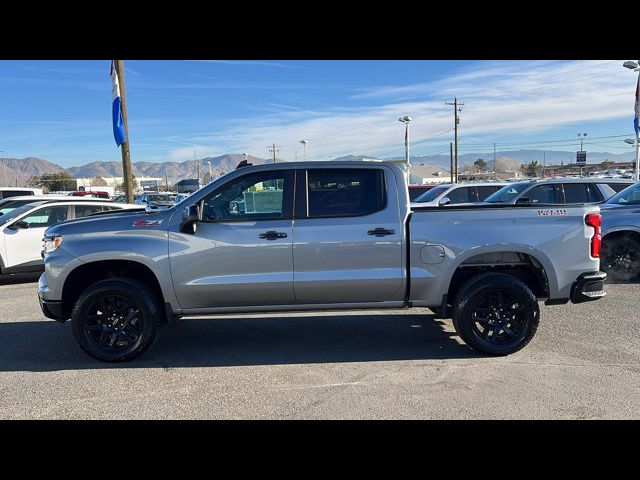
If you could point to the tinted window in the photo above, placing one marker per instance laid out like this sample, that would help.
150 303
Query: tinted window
462 195
45 217
6 207
576 193
337 193
541 194
618 187
415 192
257 196
600 192
14 193
505 194
86 210
484 192
628 196
432 194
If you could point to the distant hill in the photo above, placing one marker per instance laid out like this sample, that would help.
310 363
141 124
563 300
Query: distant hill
174 170
20 170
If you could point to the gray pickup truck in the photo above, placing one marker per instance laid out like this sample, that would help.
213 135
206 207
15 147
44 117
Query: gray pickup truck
317 236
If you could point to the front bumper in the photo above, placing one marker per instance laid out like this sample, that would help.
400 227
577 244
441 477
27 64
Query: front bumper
51 310
588 287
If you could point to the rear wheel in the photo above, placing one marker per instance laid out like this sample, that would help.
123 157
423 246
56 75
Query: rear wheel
116 320
496 313
621 258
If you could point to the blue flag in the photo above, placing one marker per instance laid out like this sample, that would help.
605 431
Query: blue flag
118 122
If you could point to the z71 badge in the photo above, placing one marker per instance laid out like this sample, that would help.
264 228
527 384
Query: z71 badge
552 212
147 223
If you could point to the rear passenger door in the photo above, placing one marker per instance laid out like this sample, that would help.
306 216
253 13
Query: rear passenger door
348 235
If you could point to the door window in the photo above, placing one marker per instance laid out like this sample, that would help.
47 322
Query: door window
462 195
45 217
541 194
345 192
484 192
576 193
86 210
256 196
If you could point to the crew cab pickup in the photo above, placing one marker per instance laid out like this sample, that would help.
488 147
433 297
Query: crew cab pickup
317 236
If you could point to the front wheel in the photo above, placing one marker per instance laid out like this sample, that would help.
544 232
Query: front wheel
621 258
496 313
116 320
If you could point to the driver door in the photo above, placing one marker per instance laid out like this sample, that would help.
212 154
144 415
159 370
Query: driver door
242 251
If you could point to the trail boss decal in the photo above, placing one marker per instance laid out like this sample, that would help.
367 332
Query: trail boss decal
147 223
552 212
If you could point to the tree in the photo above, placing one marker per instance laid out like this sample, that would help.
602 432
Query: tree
530 169
55 182
134 184
480 164
607 164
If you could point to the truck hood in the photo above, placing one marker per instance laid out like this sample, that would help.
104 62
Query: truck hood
121 220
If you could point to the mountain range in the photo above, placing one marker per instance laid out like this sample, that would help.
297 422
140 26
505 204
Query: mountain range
18 171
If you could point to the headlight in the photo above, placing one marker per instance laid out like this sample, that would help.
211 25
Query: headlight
51 243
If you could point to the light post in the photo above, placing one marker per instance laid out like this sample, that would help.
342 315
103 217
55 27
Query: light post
634 66
304 143
4 167
406 120
581 136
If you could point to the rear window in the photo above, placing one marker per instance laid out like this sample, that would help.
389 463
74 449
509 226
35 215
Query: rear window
343 193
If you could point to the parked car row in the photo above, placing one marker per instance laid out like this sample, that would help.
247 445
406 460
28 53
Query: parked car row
23 221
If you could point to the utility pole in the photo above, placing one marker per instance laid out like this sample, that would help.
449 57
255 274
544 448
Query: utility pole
456 121
544 162
126 152
451 161
166 178
273 150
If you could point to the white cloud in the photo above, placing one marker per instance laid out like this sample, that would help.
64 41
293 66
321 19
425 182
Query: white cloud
499 97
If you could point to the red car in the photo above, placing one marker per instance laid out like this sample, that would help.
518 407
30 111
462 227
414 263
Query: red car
104 195
416 190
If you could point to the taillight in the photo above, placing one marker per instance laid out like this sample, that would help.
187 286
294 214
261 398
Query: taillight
595 220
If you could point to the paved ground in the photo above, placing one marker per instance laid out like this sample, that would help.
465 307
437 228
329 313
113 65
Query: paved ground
584 363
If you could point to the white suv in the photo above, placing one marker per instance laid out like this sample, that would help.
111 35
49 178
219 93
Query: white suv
22 229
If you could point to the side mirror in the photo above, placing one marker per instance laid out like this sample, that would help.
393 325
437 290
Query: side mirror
444 201
19 225
190 218
523 201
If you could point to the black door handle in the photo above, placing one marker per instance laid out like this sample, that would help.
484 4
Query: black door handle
381 232
272 235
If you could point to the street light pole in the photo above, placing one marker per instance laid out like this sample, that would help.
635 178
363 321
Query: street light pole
634 66
406 120
4 167
304 143
581 136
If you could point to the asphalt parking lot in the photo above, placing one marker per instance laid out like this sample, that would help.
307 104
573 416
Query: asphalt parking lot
584 363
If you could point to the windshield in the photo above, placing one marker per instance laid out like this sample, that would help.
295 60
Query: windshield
505 194
160 198
432 194
16 212
10 205
628 196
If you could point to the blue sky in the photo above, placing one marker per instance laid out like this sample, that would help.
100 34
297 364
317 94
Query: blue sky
61 110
